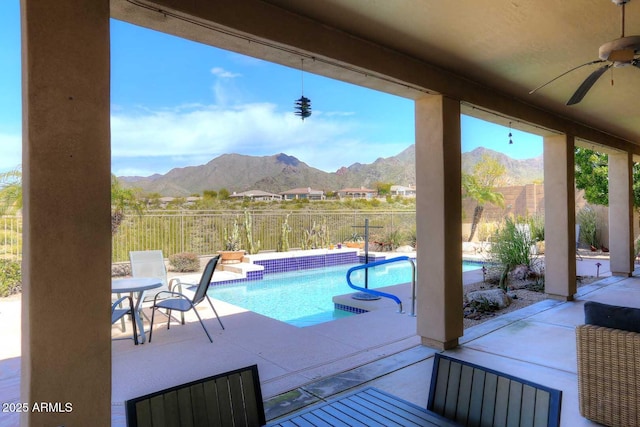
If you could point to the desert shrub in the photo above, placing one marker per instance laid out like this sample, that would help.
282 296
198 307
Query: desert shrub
184 262
391 240
10 277
412 235
537 285
511 247
536 226
588 220
482 306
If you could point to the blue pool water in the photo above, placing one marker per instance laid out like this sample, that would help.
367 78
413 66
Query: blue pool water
304 298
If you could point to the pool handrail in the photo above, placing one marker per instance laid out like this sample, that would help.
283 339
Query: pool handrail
384 294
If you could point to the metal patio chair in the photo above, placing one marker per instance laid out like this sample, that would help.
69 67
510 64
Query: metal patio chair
118 312
170 300
149 264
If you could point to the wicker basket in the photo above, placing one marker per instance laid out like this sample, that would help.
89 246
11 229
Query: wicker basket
609 375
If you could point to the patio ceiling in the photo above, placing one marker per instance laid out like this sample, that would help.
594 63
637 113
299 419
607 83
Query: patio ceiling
505 46
509 45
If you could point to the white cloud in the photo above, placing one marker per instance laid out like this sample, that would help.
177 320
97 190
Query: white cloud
155 141
192 137
221 72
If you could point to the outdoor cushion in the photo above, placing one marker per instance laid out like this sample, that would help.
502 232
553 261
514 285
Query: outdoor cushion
612 316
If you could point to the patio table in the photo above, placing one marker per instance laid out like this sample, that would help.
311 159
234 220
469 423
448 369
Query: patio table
138 286
365 407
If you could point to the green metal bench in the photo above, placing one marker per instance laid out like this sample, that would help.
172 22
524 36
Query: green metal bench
472 395
230 399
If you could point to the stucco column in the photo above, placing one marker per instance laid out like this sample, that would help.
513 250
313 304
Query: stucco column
439 221
559 217
66 341
621 214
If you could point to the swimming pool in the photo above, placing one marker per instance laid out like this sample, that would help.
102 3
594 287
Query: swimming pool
304 297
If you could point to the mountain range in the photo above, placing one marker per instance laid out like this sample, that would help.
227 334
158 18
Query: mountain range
281 172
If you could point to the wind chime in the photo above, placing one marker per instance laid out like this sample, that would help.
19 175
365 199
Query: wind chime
303 105
510 134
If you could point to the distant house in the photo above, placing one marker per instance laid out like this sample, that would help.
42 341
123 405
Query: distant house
256 195
357 193
401 190
181 201
303 193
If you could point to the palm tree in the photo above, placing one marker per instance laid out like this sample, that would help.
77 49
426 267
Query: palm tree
122 199
480 186
11 191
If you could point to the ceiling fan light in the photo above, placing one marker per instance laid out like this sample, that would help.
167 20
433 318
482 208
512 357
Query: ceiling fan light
622 46
625 55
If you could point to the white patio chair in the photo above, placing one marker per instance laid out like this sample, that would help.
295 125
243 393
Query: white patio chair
149 264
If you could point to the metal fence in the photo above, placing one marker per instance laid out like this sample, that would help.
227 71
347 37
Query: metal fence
11 237
203 232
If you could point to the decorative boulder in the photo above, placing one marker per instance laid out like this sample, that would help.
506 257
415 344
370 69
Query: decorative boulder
522 272
495 297
405 249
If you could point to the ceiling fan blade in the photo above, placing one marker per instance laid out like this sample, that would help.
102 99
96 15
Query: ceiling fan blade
597 61
587 84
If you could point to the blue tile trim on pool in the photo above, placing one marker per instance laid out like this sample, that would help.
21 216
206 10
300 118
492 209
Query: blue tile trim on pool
306 262
350 309
282 265
251 276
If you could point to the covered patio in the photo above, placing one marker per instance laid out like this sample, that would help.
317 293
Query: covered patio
476 57
302 366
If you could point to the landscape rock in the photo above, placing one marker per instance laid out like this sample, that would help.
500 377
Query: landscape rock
495 297
522 272
405 249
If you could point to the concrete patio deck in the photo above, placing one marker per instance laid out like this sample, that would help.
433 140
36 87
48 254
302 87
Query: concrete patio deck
299 366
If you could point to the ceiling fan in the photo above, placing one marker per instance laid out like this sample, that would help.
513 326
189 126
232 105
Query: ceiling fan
616 53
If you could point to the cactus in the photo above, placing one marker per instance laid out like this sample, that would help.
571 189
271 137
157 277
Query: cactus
252 247
285 229
232 240
316 237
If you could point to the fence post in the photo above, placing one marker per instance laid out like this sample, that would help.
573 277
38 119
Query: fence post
182 234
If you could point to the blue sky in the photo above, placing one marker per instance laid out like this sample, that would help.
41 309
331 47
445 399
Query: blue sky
177 103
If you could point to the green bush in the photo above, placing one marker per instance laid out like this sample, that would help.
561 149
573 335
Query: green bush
412 235
536 225
10 277
388 239
588 220
184 262
511 247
